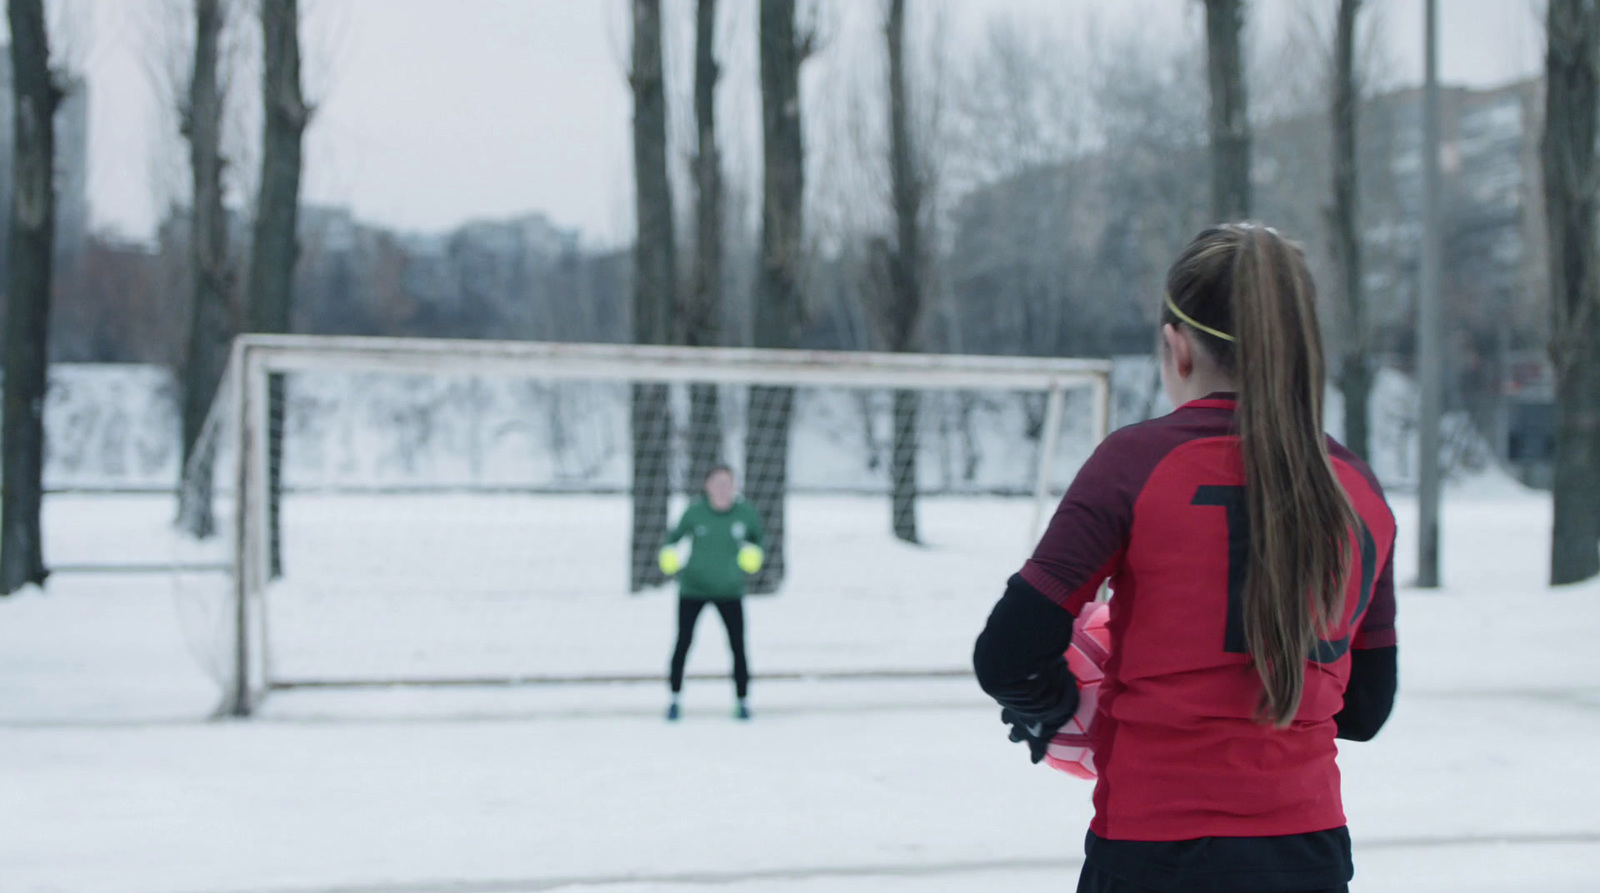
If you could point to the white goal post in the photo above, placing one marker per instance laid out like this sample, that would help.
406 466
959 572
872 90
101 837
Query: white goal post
227 500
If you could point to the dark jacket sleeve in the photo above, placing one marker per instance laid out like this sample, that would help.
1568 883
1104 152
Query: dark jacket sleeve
1369 697
1374 665
1019 655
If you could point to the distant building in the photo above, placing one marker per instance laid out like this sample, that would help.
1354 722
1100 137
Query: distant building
521 278
1067 258
1495 284
1492 209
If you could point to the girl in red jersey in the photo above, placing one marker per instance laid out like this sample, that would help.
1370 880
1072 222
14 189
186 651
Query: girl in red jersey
1252 620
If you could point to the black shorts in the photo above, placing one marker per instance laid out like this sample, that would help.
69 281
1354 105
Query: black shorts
1318 862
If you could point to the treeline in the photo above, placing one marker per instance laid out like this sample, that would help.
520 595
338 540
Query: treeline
1058 259
1022 199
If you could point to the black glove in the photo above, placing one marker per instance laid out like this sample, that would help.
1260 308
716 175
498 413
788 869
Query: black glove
1036 730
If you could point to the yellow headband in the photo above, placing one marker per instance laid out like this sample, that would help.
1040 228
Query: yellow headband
1173 306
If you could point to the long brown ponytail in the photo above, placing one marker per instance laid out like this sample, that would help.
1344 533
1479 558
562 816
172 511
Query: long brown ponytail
1250 282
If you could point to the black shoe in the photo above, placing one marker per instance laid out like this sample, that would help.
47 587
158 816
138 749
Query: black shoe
672 712
741 712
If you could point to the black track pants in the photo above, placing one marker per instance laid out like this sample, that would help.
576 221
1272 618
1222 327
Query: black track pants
732 611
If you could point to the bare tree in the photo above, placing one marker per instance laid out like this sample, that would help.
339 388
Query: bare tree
654 288
1572 101
1230 116
902 311
1024 238
1355 376
703 322
1018 104
37 92
211 319
275 248
778 312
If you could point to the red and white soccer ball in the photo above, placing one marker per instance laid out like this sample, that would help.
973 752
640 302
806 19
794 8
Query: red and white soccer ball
1072 749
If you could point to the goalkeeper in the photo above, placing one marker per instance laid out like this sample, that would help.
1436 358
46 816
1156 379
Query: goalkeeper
727 540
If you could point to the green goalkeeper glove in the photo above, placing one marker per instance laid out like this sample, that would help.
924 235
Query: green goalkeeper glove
750 558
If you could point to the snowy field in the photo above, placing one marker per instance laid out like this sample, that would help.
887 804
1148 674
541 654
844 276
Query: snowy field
112 780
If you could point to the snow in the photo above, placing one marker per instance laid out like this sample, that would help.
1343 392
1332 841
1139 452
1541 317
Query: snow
113 780
116 427
557 605
110 425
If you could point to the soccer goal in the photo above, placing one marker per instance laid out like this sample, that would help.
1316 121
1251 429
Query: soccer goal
380 512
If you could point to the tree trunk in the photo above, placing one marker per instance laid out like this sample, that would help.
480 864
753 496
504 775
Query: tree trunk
1572 100
1230 118
275 249
1355 378
655 280
210 322
903 466
703 326
778 305
904 315
33 213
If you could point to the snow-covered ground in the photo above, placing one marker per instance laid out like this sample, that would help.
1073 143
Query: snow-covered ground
112 779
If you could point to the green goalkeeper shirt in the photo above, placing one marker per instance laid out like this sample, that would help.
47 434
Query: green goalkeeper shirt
713 569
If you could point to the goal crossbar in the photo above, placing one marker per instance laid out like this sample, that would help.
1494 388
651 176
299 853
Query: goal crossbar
628 362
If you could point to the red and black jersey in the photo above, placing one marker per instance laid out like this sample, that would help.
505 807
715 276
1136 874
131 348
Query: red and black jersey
1159 510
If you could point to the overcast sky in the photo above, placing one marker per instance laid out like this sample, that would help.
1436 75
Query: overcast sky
433 112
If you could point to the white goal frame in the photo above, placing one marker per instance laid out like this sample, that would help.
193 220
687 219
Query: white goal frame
255 358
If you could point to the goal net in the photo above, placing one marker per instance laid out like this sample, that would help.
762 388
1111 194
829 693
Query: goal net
363 512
